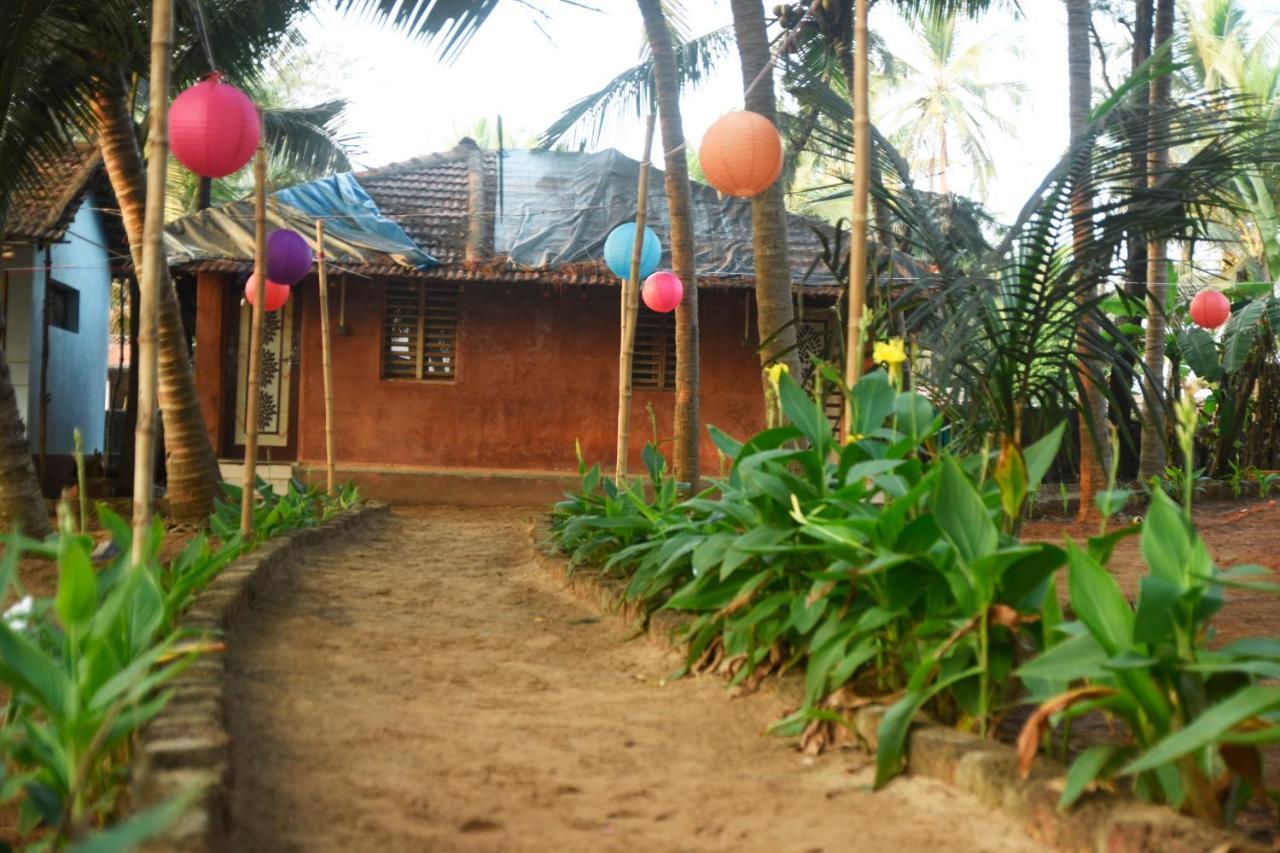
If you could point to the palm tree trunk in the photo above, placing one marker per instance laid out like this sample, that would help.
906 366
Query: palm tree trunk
680 211
190 462
1152 461
1093 404
21 501
775 314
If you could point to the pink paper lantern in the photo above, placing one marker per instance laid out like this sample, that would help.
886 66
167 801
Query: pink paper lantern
277 294
288 256
213 128
662 291
1210 309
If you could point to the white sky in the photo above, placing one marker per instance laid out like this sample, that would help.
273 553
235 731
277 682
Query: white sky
406 103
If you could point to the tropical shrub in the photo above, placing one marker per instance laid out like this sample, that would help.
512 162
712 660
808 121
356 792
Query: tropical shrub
889 570
85 669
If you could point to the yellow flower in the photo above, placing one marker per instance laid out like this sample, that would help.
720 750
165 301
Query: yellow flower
853 438
775 373
891 352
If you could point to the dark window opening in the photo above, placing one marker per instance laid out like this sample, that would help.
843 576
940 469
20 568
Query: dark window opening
64 306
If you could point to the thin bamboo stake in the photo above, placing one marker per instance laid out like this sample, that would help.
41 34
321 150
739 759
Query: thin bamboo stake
148 286
861 190
327 361
630 303
255 342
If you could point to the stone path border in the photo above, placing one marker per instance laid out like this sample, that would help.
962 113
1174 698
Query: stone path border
1099 821
186 745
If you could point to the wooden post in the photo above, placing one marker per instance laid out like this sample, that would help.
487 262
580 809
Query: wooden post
327 361
149 286
861 187
255 341
630 302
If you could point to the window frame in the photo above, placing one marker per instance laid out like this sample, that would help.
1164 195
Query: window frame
420 335
70 302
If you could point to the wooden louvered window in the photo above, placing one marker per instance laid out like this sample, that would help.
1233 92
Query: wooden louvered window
420 331
654 362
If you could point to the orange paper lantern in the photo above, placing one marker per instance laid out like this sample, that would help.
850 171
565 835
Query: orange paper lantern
1210 309
741 154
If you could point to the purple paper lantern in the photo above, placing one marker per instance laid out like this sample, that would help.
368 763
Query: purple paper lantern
288 257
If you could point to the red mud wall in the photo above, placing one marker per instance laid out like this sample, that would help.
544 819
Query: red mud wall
535 372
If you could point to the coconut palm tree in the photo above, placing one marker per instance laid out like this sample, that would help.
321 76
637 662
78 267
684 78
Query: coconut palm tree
775 306
1094 446
1152 461
940 102
680 210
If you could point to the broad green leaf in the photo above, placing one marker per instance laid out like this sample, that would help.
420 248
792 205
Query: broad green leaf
25 667
1011 478
804 413
1200 353
873 401
962 514
1098 602
1084 770
1157 609
77 585
138 828
1166 541
1217 721
1080 657
1039 456
1239 335
891 734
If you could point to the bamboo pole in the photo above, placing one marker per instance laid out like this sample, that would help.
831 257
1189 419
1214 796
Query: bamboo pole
148 286
327 361
630 303
255 341
861 190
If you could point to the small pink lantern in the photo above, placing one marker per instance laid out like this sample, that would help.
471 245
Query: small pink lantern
288 256
277 294
213 128
1210 309
662 291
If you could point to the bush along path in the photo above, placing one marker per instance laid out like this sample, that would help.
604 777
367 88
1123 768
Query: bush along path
429 687
85 670
889 571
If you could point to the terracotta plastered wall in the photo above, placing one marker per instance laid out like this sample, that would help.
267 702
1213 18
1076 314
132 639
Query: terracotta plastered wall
535 373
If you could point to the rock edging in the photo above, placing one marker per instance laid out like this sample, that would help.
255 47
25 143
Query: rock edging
187 744
1099 821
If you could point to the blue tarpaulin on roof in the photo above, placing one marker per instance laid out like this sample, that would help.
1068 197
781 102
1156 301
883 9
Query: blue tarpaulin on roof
350 213
356 232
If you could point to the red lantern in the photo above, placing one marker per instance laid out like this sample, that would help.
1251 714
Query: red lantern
277 294
1210 309
741 154
213 128
662 291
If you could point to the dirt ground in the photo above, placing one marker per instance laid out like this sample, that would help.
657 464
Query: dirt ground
426 687
1236 532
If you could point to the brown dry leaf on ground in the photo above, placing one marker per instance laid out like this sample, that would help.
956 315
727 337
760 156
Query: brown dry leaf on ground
1033 729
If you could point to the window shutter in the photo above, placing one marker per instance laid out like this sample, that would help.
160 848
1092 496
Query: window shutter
420 331
654 362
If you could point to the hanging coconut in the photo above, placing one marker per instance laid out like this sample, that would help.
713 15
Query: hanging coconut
662 291
288 256
618 246
277 294
213 128
1210 309
741 154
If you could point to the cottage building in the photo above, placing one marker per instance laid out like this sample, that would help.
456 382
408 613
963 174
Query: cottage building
56 298
476 338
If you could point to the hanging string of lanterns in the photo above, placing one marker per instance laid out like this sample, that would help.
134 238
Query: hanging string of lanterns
1210 309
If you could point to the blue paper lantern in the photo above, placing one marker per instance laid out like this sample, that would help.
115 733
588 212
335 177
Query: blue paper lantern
618 246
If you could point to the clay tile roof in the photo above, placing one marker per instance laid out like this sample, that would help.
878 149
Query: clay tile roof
428 196
43 213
